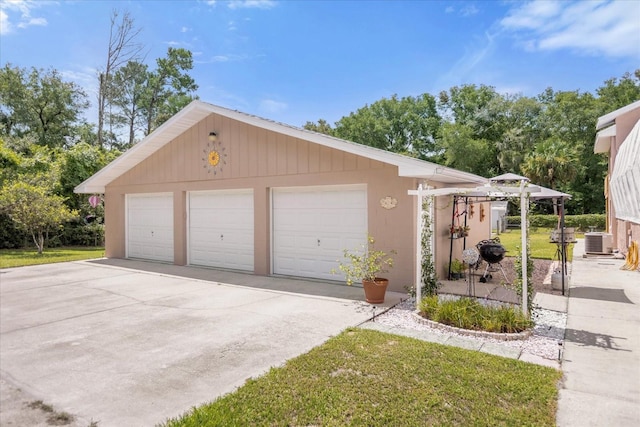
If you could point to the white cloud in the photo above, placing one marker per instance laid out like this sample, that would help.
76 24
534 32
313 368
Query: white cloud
223 58
33 21
610 28
251 4
469 10
465 66
185 29
465 11
272 107
5 25
17 14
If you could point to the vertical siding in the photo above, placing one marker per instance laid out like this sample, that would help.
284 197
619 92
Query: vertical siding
250 152
261 159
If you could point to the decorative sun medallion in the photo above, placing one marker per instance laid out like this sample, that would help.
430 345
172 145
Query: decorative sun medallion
215 157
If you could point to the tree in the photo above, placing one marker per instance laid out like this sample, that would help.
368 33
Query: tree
618 93
464 151
122 49
521 132
552 162
482 112
129 83
168 89
76 165
40 103
403 125
322 126
34 210
570 117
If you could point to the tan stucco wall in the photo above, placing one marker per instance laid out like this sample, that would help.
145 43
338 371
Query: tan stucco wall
480 229
623 231
261 160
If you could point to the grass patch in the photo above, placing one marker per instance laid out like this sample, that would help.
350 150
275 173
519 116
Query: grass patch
538 243
23 257
369 378
54 418
469 313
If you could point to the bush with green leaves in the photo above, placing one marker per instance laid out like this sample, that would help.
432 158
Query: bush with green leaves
365 263
34 210
470 313
579 222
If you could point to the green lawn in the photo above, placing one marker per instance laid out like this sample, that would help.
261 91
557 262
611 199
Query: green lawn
369 378
22 257
538 243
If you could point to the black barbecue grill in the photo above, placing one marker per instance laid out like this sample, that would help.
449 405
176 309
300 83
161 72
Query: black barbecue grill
492 252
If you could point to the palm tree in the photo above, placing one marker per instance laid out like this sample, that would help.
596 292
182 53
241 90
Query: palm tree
551 162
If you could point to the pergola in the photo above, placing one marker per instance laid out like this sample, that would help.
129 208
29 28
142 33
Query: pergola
503 186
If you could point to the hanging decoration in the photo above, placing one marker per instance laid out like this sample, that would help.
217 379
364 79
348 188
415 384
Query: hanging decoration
388 202
94 201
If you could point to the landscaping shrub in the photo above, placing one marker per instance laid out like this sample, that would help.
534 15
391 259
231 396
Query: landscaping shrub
10 236
429 306
579 222
470 313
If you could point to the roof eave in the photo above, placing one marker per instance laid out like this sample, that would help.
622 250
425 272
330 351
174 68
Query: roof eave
610 118
197 110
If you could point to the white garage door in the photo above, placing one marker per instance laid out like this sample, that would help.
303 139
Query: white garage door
221 229
312 227
150 226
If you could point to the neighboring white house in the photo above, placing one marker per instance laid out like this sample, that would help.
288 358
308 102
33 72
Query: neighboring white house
619 137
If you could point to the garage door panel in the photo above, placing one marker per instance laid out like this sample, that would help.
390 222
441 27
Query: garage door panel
150 226
312 227
221 229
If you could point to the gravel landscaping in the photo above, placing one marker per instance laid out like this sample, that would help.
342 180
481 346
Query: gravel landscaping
547 336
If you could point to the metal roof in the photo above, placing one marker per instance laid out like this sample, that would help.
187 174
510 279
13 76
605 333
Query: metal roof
198 110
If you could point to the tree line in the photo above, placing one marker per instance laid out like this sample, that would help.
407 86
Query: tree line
47 147
549 138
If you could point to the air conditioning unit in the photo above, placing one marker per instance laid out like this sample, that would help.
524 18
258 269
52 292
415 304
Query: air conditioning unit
598 243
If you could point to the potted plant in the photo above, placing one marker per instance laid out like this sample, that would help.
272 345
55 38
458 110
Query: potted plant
457 269
364 264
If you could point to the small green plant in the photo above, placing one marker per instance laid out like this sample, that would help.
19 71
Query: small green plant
428 306
469 313
55 418
365 263
457 266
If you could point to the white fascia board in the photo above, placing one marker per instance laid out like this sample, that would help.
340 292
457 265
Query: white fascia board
603 140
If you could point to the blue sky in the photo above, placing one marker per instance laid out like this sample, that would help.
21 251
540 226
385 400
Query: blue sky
294 61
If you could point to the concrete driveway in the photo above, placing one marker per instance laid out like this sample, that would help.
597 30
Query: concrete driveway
122 346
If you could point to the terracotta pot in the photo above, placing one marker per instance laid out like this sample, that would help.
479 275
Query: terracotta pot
374 290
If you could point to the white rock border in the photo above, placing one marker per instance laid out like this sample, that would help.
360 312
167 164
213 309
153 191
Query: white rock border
519 336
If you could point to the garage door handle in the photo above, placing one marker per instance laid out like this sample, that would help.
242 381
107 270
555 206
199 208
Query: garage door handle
222 237
318 242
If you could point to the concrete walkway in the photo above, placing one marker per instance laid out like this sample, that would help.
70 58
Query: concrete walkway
601 361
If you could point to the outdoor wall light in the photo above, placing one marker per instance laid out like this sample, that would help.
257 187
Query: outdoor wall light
213 137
